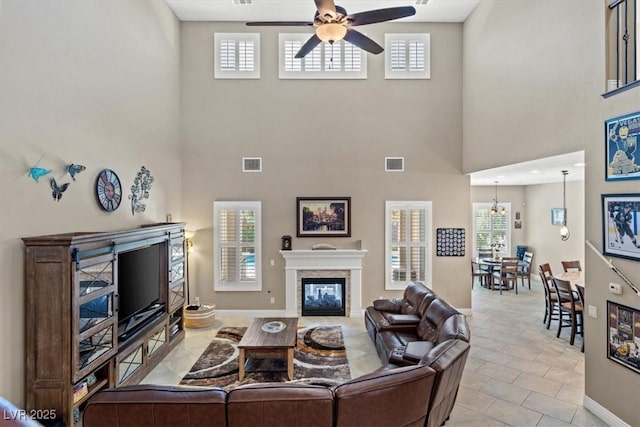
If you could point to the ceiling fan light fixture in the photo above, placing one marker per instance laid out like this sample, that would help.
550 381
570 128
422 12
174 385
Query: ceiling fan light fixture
331 32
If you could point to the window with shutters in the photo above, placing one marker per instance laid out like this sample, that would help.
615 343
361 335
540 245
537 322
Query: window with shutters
407 56
237 55
237 250
407 243
491 229
340 60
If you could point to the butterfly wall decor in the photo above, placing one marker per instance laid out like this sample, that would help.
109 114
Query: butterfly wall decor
58 190
74 169
36 172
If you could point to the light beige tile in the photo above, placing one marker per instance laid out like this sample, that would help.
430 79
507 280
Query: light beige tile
569 377
551 406
513 414
541 385
492 356
571 394
463 417
548 421
529 366
498 371
585 418
474 399
474 380
506 391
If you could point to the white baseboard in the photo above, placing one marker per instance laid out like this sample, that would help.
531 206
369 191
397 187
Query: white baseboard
603 413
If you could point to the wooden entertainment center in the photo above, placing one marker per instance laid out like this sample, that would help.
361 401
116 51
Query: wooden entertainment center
75 341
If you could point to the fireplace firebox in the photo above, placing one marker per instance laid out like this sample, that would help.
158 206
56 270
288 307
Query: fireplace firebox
323 296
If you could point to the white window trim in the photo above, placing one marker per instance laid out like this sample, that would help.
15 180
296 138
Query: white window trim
219 73
324 74
238 286
424 38
474 208
427 206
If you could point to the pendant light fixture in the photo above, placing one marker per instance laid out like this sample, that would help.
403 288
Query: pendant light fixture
564 230
495 209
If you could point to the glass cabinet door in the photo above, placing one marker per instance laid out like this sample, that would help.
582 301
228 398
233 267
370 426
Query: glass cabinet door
177 274
94 322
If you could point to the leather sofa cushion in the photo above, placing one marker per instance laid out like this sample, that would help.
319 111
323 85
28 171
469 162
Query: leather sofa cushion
280 404
454 327
394 397
403 319
413 296
416 350
388 305
152 405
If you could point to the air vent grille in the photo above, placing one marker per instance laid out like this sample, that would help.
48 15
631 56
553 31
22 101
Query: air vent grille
394 164
421 2
242 1
252 164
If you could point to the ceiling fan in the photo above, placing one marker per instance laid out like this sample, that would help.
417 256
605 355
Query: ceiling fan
333 23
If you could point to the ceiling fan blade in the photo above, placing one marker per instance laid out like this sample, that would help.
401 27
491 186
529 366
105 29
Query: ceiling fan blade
324 6
280 24
308 46
363 42
380 15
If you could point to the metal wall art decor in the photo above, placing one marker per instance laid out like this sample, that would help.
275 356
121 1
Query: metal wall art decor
57 190
621 136
74 169
450 241
621 225
623 335
140 190
323 216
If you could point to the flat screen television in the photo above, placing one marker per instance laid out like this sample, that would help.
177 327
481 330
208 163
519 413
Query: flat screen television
138 286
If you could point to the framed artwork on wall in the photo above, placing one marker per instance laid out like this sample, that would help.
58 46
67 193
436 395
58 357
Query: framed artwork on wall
621 225
621 138
323 216
623 335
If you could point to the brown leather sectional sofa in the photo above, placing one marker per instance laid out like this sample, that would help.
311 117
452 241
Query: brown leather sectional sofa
406 392
423 328
387 397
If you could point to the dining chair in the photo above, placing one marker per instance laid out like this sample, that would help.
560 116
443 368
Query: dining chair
524 268
550 297
507 276
482 274
569 305
546 268
571 266
580 289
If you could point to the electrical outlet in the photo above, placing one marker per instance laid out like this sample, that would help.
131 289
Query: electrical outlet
197 300
615 288
272 262
273 300
593 311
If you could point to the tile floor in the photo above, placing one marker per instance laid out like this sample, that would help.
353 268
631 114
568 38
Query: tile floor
518 373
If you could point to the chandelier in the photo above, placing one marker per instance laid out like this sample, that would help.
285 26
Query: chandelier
495 209
564 230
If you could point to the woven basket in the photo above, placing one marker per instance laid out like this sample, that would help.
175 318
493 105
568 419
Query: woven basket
200 318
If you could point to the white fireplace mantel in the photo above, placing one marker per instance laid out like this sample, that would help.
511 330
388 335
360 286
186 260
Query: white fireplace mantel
339 259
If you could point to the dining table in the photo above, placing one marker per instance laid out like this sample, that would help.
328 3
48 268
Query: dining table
576 278
492 265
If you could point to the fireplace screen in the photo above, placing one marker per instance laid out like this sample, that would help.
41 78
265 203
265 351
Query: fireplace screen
323 297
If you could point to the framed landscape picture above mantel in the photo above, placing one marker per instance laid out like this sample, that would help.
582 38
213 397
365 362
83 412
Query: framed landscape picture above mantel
621 225
323 216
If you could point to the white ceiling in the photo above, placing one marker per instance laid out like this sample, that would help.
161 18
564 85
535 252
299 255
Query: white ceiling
541 171
304 10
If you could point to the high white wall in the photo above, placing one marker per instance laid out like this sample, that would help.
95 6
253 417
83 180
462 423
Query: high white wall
94 83
533 76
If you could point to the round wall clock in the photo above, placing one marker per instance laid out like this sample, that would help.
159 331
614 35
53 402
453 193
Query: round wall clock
108 190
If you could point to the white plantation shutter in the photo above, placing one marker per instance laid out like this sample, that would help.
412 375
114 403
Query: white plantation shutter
238 246
237 55
340 60
408 234
407 56
489 229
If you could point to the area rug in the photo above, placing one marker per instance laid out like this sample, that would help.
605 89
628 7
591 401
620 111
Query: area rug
319 358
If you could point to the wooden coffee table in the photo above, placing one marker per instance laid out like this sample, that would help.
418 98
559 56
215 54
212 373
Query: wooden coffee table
259 344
